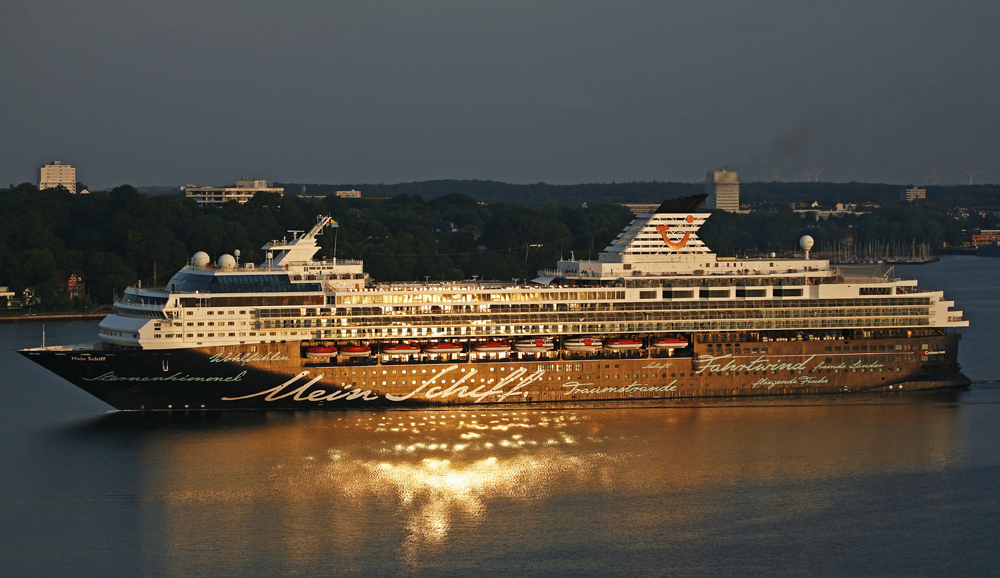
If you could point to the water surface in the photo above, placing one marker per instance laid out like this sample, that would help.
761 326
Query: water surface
895 485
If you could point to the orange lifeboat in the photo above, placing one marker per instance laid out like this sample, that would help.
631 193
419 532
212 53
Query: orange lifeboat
582 344
533 345
442 348
669 342
355 351
314 352
400 349
622 343
491 347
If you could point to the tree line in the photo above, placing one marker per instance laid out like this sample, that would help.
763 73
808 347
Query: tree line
538 195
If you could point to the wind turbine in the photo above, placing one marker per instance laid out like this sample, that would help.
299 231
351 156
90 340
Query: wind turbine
933 178
704 177
971 174
810 177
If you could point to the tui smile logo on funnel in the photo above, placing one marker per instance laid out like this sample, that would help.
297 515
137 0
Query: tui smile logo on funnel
662 230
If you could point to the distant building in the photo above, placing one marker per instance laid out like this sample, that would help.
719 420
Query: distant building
7 297
637 208
825 212
75 286
243 191
57 174
349 194
912 194
723 188
985 237
443 227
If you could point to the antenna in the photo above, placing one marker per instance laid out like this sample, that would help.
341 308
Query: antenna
336 236
971 174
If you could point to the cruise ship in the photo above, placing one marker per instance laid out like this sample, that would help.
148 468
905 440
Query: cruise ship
656 316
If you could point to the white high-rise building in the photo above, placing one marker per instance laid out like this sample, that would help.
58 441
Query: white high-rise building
243 191
912 194
723 188
51 176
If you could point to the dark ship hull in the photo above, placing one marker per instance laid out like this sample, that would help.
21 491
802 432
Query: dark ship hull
283 376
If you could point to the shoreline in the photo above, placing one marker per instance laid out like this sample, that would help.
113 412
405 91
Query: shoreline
45 317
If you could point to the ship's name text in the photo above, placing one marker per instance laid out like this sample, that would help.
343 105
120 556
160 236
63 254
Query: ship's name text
433 388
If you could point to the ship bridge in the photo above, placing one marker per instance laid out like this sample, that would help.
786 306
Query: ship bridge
666 243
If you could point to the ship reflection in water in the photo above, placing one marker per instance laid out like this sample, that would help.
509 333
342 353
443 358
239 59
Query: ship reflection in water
396 490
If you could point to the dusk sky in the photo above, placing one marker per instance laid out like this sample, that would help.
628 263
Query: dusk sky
560 91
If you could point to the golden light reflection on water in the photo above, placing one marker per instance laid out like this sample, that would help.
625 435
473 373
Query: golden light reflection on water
425 480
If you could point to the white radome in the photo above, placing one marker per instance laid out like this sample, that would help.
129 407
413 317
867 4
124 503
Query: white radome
226 261
200 259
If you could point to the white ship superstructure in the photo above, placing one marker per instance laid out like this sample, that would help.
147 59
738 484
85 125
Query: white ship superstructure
656 277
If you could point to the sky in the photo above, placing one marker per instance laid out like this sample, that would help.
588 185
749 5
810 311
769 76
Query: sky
558 91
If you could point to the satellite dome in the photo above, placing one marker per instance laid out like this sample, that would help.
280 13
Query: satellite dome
226 262
201 259
806 242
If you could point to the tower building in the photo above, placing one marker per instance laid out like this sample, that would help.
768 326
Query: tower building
56 174
723 188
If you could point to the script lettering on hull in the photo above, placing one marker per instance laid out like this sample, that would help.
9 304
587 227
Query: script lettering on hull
245 358
714 363
797 380
634 387
304 387
179 376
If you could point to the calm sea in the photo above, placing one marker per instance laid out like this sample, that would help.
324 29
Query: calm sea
893 485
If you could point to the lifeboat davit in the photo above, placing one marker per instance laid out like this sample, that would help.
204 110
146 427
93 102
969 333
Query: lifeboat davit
321 351
400 349
622 343
491 347
442 348
582 344
355 351
669 342
533 345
